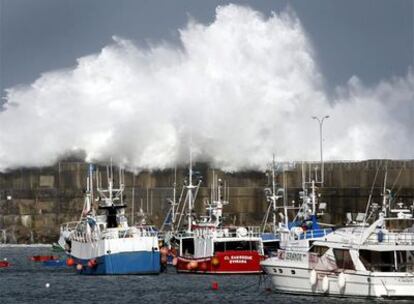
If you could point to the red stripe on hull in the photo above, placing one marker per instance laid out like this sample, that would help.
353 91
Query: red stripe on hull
229 262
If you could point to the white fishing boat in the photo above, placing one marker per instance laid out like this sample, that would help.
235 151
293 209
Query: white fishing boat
374 258
104 243
303 223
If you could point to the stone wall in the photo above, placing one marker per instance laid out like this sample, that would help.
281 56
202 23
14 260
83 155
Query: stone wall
34 202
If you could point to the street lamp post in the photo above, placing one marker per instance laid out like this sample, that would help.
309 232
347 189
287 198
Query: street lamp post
320 121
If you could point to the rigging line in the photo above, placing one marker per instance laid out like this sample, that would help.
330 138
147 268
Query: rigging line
366 209
396 179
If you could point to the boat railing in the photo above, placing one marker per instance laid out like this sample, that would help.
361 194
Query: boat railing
69 226
144 230
391 238
83 237
314 233
230 232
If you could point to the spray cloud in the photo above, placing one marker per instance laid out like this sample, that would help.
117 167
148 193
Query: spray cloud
242 88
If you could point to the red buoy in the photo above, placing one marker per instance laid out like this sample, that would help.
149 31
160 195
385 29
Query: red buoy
70 262
91 263
214 285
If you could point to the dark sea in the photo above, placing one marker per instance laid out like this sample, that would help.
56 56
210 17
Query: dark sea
25 282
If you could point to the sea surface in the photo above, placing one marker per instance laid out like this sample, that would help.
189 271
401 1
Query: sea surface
26 282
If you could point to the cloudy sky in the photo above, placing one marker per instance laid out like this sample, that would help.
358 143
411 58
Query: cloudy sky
350 59
371 39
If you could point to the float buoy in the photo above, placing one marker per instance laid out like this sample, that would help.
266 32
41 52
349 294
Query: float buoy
215 261
79 267
325 284
203 266
341 281
70 262
92 263
313 278
214 285
193 265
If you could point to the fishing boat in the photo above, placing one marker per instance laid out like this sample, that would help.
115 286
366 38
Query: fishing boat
371 258
303 223
210 247
103 242
4 263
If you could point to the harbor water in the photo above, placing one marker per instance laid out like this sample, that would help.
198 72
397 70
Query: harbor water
30 282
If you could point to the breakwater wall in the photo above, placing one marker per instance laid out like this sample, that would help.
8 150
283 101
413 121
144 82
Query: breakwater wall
34 202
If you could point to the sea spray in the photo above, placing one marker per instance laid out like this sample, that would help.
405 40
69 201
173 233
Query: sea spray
243 87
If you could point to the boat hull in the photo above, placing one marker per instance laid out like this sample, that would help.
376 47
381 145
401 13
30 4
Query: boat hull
230 262
142 262
297 281
117 256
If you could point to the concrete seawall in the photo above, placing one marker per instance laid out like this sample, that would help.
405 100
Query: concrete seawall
34 202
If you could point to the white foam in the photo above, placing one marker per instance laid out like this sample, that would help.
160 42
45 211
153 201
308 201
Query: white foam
244 87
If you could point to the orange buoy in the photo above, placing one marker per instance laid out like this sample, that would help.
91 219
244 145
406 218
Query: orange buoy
188 266
214 285
215 261
70 262
79 267
164 259
193 265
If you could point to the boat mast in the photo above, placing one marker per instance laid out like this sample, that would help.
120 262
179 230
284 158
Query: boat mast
274 197
190 188
285 193
174 201
384 194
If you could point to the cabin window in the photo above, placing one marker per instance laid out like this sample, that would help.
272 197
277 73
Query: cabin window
187 246
343 259
235 246
387 261
382 261
269 247
320 250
